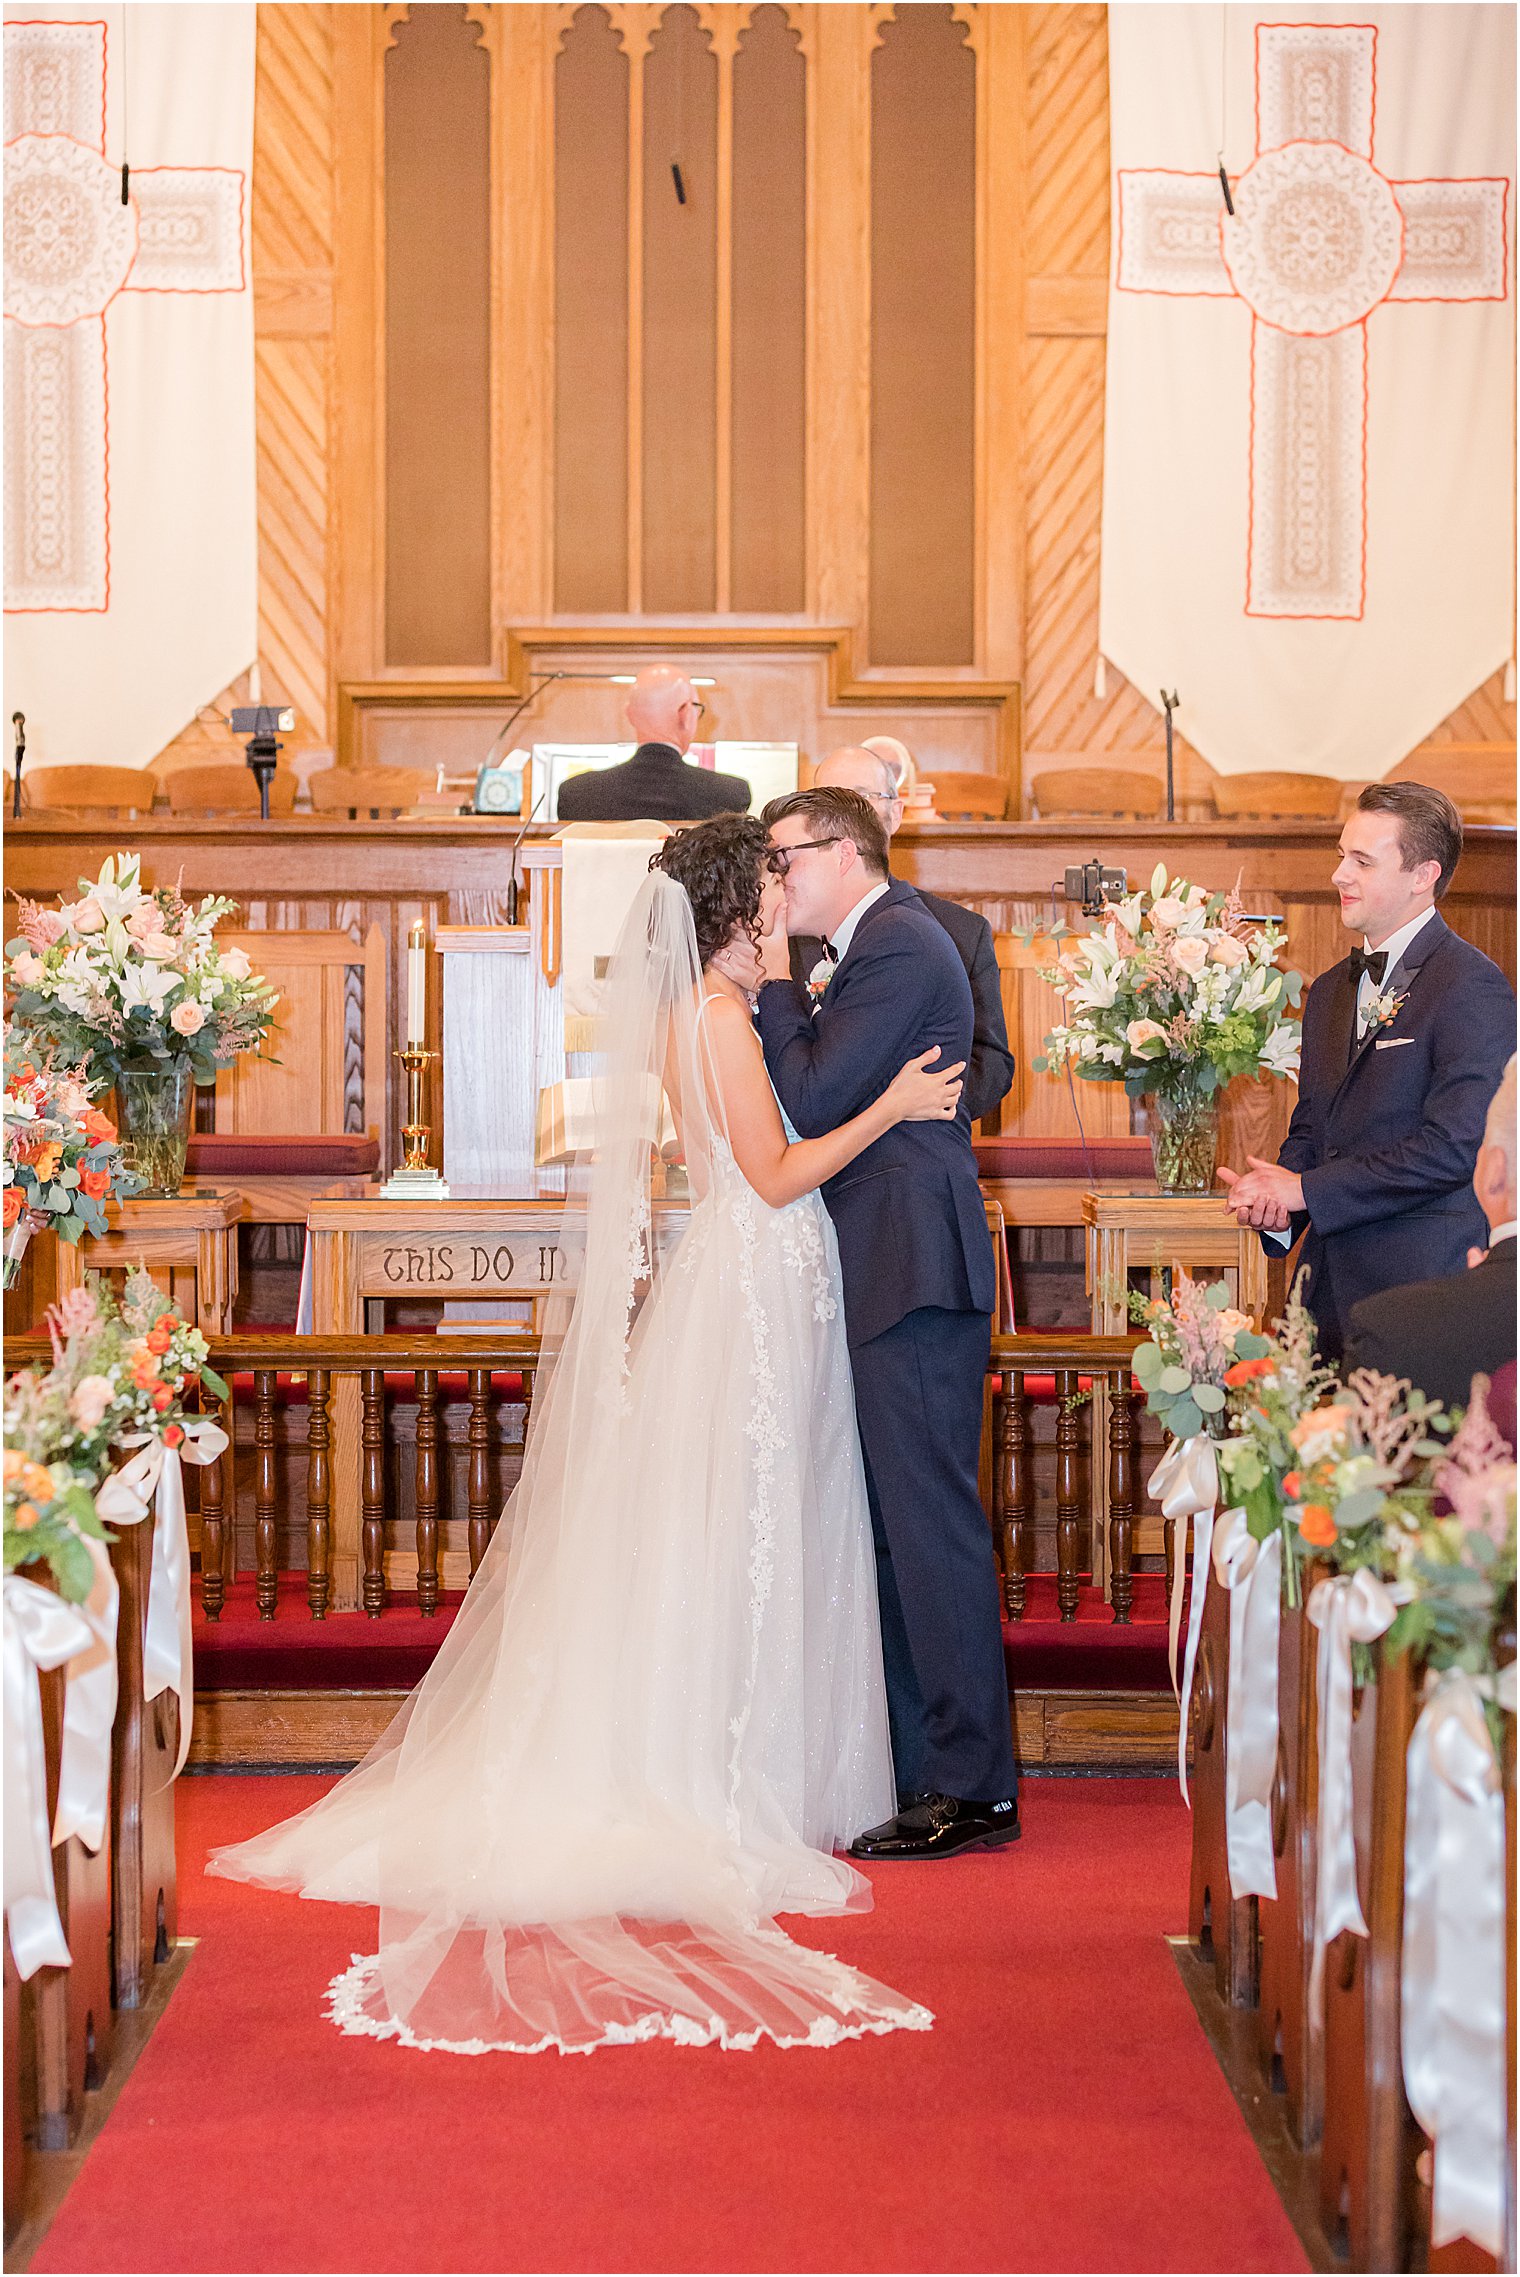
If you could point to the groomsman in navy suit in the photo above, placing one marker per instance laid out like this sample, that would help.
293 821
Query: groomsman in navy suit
1404 1044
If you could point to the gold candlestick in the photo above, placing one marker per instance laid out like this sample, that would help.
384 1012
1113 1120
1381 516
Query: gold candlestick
416 1177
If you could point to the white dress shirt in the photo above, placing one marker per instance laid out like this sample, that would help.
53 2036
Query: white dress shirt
844 934
1394 946
1505 1232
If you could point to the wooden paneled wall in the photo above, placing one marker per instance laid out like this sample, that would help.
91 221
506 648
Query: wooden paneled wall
574 421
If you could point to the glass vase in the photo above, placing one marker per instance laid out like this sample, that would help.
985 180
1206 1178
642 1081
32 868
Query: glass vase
1184 1142
154 1113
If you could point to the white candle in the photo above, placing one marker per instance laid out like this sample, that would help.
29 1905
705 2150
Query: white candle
416 987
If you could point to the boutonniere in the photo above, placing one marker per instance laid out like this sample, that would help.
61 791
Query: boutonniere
1382 1011
820 976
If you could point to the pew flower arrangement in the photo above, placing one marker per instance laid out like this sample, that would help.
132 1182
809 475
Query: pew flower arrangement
62 1163
1196 1342
125 979
1175 994
51 1477
123 1365
1453 1557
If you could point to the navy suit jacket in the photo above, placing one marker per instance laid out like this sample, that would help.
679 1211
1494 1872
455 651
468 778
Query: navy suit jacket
1385 1137
989 1072
908 1211
655 785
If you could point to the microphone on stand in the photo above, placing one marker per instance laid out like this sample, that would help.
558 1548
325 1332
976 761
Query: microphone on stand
18 722
517 848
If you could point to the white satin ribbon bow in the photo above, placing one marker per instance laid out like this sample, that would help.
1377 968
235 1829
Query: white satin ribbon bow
89 1711
1343 1607
154 1474
1186 1484
1252 1572
1454 2024
41 1631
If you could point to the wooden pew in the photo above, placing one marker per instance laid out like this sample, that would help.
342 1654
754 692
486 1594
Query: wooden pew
1369 2199
17 2154
66 2012
1220 1927
143 1746
1289 2046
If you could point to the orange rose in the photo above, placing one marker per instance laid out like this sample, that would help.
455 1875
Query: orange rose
95 1183
174 1435
1293 1484
1316 1525
37 1482
96 1126
24 1517
1246 1371
10 1210
162 1398
46 1160
159 1337
28 1072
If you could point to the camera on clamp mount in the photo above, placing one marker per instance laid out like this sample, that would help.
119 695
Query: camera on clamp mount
1093 884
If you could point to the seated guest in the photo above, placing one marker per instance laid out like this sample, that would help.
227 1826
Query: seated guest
989 1071
1404 1044
657 784
1440 1334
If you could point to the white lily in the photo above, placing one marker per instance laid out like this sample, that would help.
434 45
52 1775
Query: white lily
1280 1052
117 888
1262 986
147 984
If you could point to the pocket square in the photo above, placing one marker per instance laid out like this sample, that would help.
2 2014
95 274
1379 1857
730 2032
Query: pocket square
1392 1043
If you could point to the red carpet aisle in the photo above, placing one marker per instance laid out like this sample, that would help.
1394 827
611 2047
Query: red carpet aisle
1064 2114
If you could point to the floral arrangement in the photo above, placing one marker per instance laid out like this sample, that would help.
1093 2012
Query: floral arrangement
1195 1346
1174 992
121 1369
125 980
62 1162
1454 1561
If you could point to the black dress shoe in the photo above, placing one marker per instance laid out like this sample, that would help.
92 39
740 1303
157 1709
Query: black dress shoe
939 1826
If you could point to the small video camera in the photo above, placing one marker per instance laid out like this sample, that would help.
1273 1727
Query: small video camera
1093 884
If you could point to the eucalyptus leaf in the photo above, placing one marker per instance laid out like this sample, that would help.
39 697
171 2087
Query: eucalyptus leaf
1185 1421
1209 1397
1174 1379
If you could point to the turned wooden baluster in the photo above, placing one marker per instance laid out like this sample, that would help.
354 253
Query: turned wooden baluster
1012 1486
318 1495
480 1465
213 1514
1123 1460
265 1545
426 1380
1068 1492
372 1491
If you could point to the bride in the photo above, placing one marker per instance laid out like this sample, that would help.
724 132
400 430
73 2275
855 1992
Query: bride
660 1710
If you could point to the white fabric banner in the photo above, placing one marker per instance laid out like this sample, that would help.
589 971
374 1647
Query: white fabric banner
1308 482
131 530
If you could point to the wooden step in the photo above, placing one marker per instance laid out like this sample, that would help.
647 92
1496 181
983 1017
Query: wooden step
291 1730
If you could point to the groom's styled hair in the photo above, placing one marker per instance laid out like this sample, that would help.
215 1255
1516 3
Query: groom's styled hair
832 813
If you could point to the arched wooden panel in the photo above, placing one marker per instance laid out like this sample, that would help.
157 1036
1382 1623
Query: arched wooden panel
768 387
591 316
680 301
923 341
437 341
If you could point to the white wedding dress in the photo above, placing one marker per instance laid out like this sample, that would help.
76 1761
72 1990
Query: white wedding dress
661 1706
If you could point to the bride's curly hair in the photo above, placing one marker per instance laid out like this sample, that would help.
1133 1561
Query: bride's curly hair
721 867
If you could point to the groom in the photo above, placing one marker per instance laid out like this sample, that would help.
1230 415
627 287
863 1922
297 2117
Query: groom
918 1295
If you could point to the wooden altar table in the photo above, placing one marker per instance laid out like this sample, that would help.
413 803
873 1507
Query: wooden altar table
188 1243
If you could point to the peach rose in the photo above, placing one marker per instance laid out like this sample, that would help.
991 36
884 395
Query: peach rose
92 1396
1229 952
1167 913
1139 1033
26 970
187 1019
235 962
86 916
160 946
144 921
1190 954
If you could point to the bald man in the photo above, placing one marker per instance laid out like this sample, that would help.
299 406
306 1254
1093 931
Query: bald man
657 784
989 1072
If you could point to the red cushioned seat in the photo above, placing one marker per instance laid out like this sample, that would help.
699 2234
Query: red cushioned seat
1062 1158
317 1155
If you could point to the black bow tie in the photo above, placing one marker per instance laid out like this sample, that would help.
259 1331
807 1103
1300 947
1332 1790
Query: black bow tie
1373 962
831 952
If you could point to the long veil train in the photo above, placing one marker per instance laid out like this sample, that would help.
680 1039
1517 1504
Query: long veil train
661 1703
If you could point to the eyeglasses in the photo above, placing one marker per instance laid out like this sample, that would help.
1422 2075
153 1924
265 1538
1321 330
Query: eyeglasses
779 860
883 798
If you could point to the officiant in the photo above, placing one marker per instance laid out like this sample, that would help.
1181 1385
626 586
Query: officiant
659 783
1404 1045
989 1072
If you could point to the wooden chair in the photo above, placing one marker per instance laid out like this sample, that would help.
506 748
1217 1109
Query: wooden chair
1111 792
101 790
365 790
328 1052
1269 798
968 797
226 789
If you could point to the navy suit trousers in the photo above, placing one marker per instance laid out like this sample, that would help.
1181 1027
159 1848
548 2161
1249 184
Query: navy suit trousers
918 1398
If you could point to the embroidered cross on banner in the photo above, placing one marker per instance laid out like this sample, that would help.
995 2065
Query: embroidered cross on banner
1321 239
70 247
